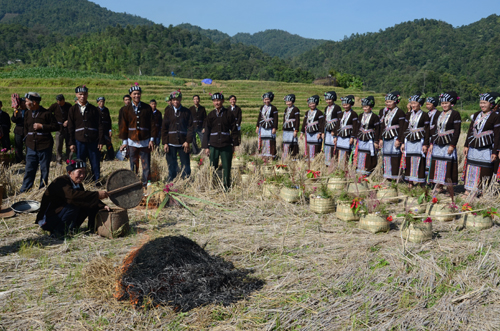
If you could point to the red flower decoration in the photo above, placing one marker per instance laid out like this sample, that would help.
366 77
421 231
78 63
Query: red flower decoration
389 218
376 186
434 200
355 203
428 220
362 178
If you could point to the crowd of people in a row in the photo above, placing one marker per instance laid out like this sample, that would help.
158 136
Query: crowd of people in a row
415 144
86 129
419 146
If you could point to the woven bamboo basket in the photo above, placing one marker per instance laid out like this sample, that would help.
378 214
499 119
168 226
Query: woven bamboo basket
344 212
337 184
388 195
477 222
281 171
245 179
112 224
440 212
194 165
290 194
251 166
237 163
411 203
358 188
321 205
417 233
374 223
270 190
267 170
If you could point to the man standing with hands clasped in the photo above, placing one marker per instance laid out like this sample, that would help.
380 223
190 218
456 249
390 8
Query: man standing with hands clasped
177 133
38 125
86 133
137 130
221 137
60 109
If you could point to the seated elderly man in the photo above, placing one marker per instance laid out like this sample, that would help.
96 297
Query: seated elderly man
65 204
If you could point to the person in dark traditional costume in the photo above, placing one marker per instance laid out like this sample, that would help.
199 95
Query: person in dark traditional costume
368 138
496 110
313 127
221 137
158 120
347 131
481 145
5 125
38 125
18 119
392 121
444 166
65 204
137 131
416 141
433 113
60 109
86 132
238 115
107 128
332 114
177 134
291 126
199 114
267 124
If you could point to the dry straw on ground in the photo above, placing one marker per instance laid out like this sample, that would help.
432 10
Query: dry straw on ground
320 273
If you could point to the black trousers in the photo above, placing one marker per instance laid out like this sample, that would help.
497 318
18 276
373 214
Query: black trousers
69 220
19 145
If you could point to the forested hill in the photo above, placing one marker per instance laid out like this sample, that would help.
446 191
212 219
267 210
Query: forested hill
215 35
278 42
149 50
273 42
423 55
66 17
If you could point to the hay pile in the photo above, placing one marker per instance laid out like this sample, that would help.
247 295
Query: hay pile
175 271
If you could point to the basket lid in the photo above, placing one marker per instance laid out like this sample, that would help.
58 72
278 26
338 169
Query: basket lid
127 198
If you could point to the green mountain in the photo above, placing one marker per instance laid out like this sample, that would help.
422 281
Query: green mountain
278 42
157 51
215 35
273 42
420 56
67 17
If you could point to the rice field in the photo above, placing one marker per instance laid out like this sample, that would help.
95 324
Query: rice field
319 273
51 82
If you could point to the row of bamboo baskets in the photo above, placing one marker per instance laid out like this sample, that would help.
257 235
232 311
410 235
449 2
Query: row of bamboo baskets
378 223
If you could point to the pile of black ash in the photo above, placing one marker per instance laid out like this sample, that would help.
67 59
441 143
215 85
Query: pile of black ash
175 271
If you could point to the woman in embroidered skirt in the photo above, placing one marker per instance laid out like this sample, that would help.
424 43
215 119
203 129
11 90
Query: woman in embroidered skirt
332 112
416 141
291 125
313 128
495 110
347 130
368 136
444 166
483 135
267 124
392 124
433 113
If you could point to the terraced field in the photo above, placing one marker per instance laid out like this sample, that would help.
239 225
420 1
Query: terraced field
248 93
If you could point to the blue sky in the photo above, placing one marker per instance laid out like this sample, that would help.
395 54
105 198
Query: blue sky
319 19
